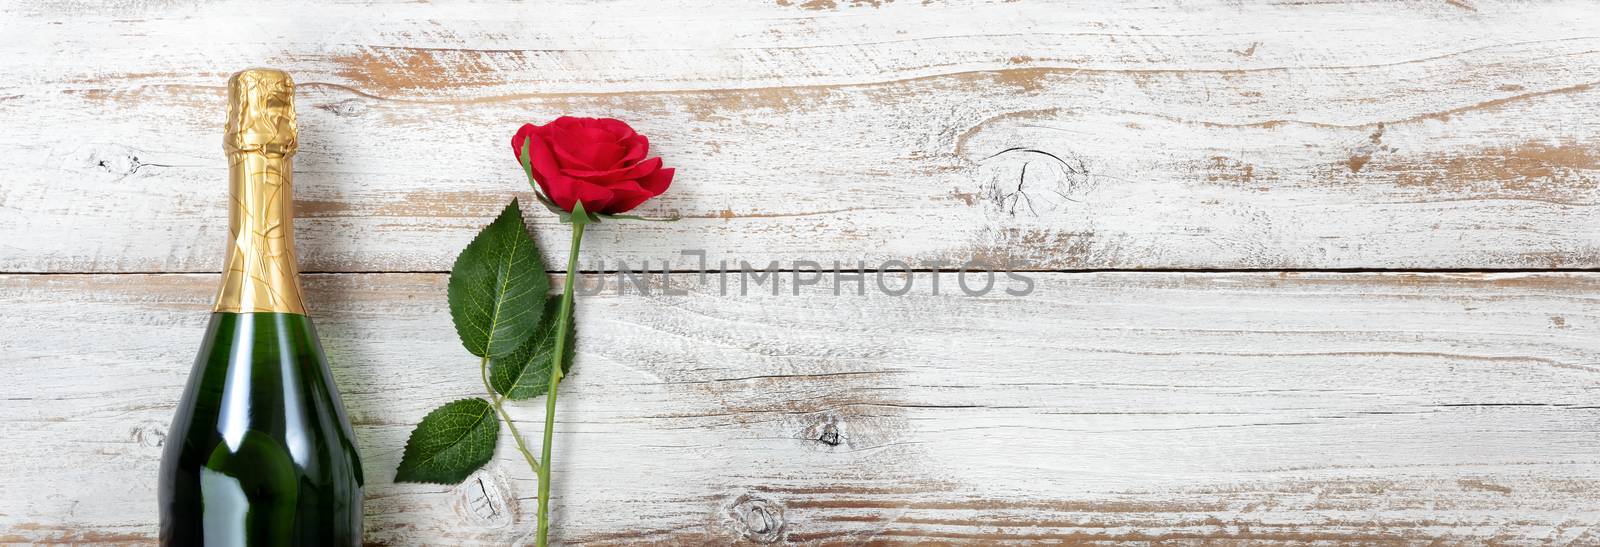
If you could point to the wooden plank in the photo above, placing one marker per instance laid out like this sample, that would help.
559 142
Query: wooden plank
1052 135
1285 408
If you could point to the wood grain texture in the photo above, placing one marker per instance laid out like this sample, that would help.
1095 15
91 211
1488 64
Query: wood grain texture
1047 135
1279 408
1170 408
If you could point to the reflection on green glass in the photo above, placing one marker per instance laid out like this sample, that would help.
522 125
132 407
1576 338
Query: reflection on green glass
260 452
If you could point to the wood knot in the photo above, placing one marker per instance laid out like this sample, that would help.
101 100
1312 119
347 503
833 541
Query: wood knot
483 498
347 108
149 435
827 431
757 519
1034 182
120 161
830 435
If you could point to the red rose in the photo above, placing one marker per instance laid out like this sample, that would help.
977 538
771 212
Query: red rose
598 161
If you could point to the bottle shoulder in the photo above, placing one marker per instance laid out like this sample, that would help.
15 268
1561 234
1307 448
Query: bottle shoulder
261 386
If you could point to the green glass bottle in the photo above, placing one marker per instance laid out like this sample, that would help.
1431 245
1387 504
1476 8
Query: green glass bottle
260 451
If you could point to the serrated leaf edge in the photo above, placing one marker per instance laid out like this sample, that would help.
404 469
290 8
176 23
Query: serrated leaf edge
514 210
401 467
553 301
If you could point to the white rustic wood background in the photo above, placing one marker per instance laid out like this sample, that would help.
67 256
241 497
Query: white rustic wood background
1305 272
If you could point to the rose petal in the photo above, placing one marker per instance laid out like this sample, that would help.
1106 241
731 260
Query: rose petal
595 198
619 174
625 196
649 187
586 148
562 194
546 171
638 148
523 133
657 182
604 155
619 130
568 147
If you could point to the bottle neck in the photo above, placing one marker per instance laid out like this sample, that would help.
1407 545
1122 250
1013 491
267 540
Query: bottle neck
259 273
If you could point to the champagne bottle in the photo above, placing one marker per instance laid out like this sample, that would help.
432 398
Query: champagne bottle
260 451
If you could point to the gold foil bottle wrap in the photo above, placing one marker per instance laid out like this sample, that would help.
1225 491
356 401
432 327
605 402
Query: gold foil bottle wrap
259 273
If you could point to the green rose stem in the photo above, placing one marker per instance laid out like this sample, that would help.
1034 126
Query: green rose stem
500 304
499 405
580 218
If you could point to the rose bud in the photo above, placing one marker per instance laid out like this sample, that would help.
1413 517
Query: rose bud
597 161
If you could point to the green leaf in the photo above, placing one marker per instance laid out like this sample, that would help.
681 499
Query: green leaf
525 373
451 442
497 287
525 157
